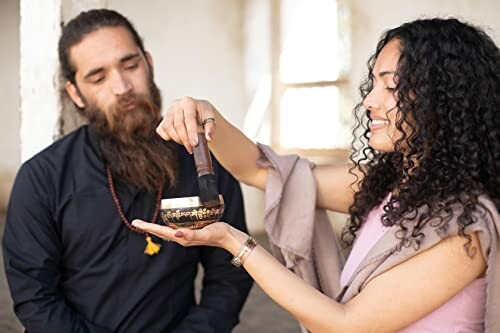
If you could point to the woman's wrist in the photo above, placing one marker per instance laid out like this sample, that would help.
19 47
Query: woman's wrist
234 240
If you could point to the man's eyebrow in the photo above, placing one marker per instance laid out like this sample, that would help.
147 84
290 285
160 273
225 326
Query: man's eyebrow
93 72
129 57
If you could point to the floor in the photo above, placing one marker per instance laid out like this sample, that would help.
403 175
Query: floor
260 313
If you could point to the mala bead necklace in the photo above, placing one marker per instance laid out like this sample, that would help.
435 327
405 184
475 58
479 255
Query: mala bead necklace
151 247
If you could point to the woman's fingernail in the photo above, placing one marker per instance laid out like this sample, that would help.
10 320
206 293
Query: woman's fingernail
136 223
179 234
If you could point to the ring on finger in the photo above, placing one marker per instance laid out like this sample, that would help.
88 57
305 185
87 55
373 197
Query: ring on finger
208 120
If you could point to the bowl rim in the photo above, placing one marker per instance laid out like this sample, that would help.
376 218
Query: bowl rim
185 202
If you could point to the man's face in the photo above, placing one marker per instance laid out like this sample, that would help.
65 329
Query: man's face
114 85
111 72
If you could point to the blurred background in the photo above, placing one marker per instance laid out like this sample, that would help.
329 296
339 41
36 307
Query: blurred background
286 72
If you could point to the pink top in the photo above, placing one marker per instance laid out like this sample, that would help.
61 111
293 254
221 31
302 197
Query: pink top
463 313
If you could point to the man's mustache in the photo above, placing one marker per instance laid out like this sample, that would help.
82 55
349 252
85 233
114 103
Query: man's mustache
126 100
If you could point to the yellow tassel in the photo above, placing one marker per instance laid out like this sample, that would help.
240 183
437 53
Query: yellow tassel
152 247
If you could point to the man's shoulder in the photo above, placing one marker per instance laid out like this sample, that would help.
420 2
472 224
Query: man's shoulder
44 171
62 146
52 159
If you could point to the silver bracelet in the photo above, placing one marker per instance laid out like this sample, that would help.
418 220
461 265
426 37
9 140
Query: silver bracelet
245 251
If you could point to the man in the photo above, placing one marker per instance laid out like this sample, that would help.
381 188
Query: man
73 261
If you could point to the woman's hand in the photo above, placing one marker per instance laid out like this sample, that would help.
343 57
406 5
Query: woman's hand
185 118
219 234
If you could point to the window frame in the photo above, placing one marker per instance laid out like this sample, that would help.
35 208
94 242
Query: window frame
278 89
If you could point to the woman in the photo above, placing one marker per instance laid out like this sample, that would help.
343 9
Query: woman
430 168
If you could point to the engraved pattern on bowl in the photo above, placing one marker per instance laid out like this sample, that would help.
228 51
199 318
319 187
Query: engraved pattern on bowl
189 212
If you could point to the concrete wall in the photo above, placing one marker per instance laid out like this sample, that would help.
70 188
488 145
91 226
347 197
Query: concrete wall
9 96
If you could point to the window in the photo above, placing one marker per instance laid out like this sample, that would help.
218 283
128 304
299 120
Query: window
311 106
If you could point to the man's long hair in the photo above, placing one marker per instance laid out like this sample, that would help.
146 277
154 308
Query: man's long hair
129 144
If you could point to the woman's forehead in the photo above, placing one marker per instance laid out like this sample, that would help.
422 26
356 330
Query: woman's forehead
387 60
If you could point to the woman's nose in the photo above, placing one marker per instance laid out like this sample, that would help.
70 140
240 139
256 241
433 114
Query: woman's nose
371 101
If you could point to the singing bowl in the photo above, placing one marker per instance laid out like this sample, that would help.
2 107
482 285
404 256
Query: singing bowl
189 212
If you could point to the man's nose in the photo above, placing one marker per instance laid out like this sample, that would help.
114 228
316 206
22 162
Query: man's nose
120 85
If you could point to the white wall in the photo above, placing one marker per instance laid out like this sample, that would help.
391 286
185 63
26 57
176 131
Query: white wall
196 47
372 17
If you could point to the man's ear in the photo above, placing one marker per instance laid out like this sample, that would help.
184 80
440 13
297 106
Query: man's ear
149 59
74 94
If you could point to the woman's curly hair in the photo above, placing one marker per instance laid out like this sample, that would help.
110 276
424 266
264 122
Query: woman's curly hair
448 97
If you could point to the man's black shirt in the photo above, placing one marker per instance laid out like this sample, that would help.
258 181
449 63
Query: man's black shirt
73 266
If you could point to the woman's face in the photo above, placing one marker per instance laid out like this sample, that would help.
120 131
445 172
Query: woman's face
381 101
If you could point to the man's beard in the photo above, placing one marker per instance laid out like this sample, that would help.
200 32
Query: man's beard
129 144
